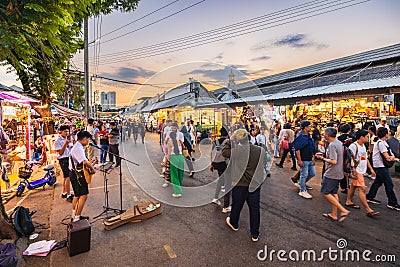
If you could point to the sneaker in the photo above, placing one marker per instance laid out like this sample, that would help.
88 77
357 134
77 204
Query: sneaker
70 198
216 201
176 195
228 222
83 217
394 207
191 174
223 189
254 239
165 185
305 194
226 210
64 195
373 201
297 185
309 187
162 175
294 181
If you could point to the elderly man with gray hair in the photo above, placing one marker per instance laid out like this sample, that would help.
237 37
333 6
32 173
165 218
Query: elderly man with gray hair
333 174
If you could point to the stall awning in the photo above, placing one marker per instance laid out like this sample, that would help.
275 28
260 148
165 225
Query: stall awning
64 111
15 97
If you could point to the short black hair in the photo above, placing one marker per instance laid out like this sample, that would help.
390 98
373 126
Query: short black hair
372 128
90 121
361 133
345 128
63 128
83 134
330 124
382 132
392 133
113 123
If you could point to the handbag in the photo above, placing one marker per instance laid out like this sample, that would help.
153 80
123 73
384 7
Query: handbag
284 144
386 163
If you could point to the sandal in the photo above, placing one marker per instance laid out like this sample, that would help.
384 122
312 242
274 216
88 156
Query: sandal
352 205
343 217
327 215
373 213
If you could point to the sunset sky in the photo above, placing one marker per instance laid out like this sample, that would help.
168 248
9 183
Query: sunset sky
358 28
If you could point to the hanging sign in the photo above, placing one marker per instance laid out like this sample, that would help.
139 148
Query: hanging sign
9 111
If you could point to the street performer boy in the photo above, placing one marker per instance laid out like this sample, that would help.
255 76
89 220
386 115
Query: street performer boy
77 160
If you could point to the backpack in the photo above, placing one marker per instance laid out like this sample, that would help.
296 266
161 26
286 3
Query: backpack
348 161
22 221
216 153
8 255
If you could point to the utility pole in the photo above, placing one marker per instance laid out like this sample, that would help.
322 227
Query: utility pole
86 67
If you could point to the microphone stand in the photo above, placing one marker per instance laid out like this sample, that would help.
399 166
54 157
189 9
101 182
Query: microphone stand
119 211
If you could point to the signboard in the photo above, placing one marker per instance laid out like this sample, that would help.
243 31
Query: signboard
9 111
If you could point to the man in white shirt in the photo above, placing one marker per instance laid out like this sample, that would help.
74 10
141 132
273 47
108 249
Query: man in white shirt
167 129
78 160
361 157
63 147
383 124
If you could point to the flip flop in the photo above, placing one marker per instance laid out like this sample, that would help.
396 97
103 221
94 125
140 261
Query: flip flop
343 217
352 205
373 213
327 215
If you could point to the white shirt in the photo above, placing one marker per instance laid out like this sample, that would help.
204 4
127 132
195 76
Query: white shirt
167 130
253 140
380 125
362 156
379 147
262 139
58 144
78 155
179 136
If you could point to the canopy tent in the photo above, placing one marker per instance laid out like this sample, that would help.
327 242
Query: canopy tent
15 97
64 111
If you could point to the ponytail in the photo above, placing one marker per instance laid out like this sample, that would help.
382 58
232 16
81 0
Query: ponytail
174 142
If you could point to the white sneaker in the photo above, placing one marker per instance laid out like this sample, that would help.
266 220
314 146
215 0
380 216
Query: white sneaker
226 210
176 195
297 185
228 222
254 239
165 185
305 194
216 201
223 189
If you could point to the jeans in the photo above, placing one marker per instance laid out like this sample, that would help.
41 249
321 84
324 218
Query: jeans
223 180
306 173
241 194
115 150
285 152
103 153
383 177
276 147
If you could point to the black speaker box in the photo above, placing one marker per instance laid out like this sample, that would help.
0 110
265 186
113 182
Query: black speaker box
78 237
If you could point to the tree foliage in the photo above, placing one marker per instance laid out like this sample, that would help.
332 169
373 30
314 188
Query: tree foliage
38 38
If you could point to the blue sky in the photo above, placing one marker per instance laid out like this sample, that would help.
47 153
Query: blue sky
344 32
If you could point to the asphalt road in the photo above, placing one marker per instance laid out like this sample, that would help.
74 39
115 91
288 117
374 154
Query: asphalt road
198 236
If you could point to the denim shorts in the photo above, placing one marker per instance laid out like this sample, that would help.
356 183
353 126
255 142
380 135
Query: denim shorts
329 186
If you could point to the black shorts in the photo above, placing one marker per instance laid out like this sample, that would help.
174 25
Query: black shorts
64 162
80 187
329 186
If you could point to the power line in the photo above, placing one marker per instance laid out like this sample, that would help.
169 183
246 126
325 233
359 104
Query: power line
136 20
157 21
229 35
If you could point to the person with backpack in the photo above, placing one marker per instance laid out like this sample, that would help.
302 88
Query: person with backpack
346 140
333 174
382 160
220 163
287 135
360 155
305 150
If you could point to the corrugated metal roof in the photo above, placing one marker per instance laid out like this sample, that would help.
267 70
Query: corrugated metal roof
317 91
388 52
